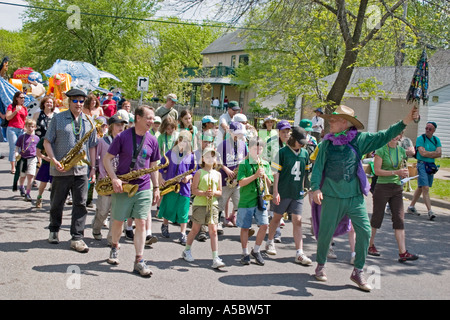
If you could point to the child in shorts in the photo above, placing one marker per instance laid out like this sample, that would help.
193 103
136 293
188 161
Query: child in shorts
206 186
26 157
291 165
253 173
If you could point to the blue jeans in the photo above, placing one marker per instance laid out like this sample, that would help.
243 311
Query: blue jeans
12 134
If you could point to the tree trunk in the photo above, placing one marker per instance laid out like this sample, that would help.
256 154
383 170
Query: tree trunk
337 91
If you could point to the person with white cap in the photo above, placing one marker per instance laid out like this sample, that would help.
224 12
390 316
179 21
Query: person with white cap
168 109
206 187
232 152
339 183
155 128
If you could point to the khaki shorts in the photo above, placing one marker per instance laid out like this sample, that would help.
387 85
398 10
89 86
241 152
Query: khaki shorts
200 216
31 167
138 206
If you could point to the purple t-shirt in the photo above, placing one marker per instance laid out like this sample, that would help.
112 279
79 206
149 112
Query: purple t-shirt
27 144
122 146
231 155
178 165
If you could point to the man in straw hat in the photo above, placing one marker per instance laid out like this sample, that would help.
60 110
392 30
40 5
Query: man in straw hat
339 182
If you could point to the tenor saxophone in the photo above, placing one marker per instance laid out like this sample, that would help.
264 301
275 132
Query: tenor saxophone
104 187
174 183
77 156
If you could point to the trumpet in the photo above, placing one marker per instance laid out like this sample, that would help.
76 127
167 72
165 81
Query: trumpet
263 187
209 200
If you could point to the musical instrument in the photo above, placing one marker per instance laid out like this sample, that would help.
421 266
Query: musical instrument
231 183
104 187
174 183
77 156
263 187
209 200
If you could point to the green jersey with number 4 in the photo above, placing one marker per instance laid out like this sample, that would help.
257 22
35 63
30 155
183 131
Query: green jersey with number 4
291 167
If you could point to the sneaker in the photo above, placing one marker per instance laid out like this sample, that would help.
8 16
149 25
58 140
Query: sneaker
149 240
69 200
202 237
358 278
319 273
183 239
217 263
22 191
129 234
245 259
270 248
388 210
431 215
412 210
39 202
302 259
220 228
113 256
28 198
142 268
97 236
53 237
165 230
331 254
187 255
258 257
79 246
373 251
407 257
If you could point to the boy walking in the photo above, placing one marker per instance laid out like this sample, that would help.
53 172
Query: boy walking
26 158
252 175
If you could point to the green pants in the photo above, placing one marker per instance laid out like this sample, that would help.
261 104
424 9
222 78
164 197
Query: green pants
333 210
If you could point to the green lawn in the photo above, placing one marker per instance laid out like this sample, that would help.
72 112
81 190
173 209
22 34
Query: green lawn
440 188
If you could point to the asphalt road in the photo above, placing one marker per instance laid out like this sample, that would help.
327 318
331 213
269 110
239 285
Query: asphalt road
31 268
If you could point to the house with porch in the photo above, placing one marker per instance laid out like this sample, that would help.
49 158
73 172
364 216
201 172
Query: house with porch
216 77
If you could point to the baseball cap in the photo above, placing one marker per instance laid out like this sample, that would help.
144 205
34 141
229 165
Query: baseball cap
234 105
116 119
207 119
172 96
206 150
240 117
237 128
306 124
283 124
75 93
299 134
157 119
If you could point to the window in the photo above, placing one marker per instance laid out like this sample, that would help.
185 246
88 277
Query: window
243 59
233 61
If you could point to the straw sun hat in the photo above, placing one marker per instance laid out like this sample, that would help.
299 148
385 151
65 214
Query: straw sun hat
346 113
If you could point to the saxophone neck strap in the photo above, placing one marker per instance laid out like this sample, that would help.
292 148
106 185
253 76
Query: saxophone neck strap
136 148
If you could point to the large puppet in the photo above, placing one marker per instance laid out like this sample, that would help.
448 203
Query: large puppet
58 84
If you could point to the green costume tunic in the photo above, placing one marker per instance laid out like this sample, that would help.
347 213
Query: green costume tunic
336 167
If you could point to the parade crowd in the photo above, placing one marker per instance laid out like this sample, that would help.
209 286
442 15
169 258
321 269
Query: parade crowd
223 171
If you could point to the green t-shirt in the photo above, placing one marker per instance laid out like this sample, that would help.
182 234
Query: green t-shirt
206 177
392 160
291 167
249 193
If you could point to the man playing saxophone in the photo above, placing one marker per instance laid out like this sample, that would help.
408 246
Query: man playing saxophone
136 149
72 133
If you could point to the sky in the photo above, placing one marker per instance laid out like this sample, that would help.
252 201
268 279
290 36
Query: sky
11 16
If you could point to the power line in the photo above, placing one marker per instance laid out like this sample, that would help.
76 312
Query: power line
218 25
